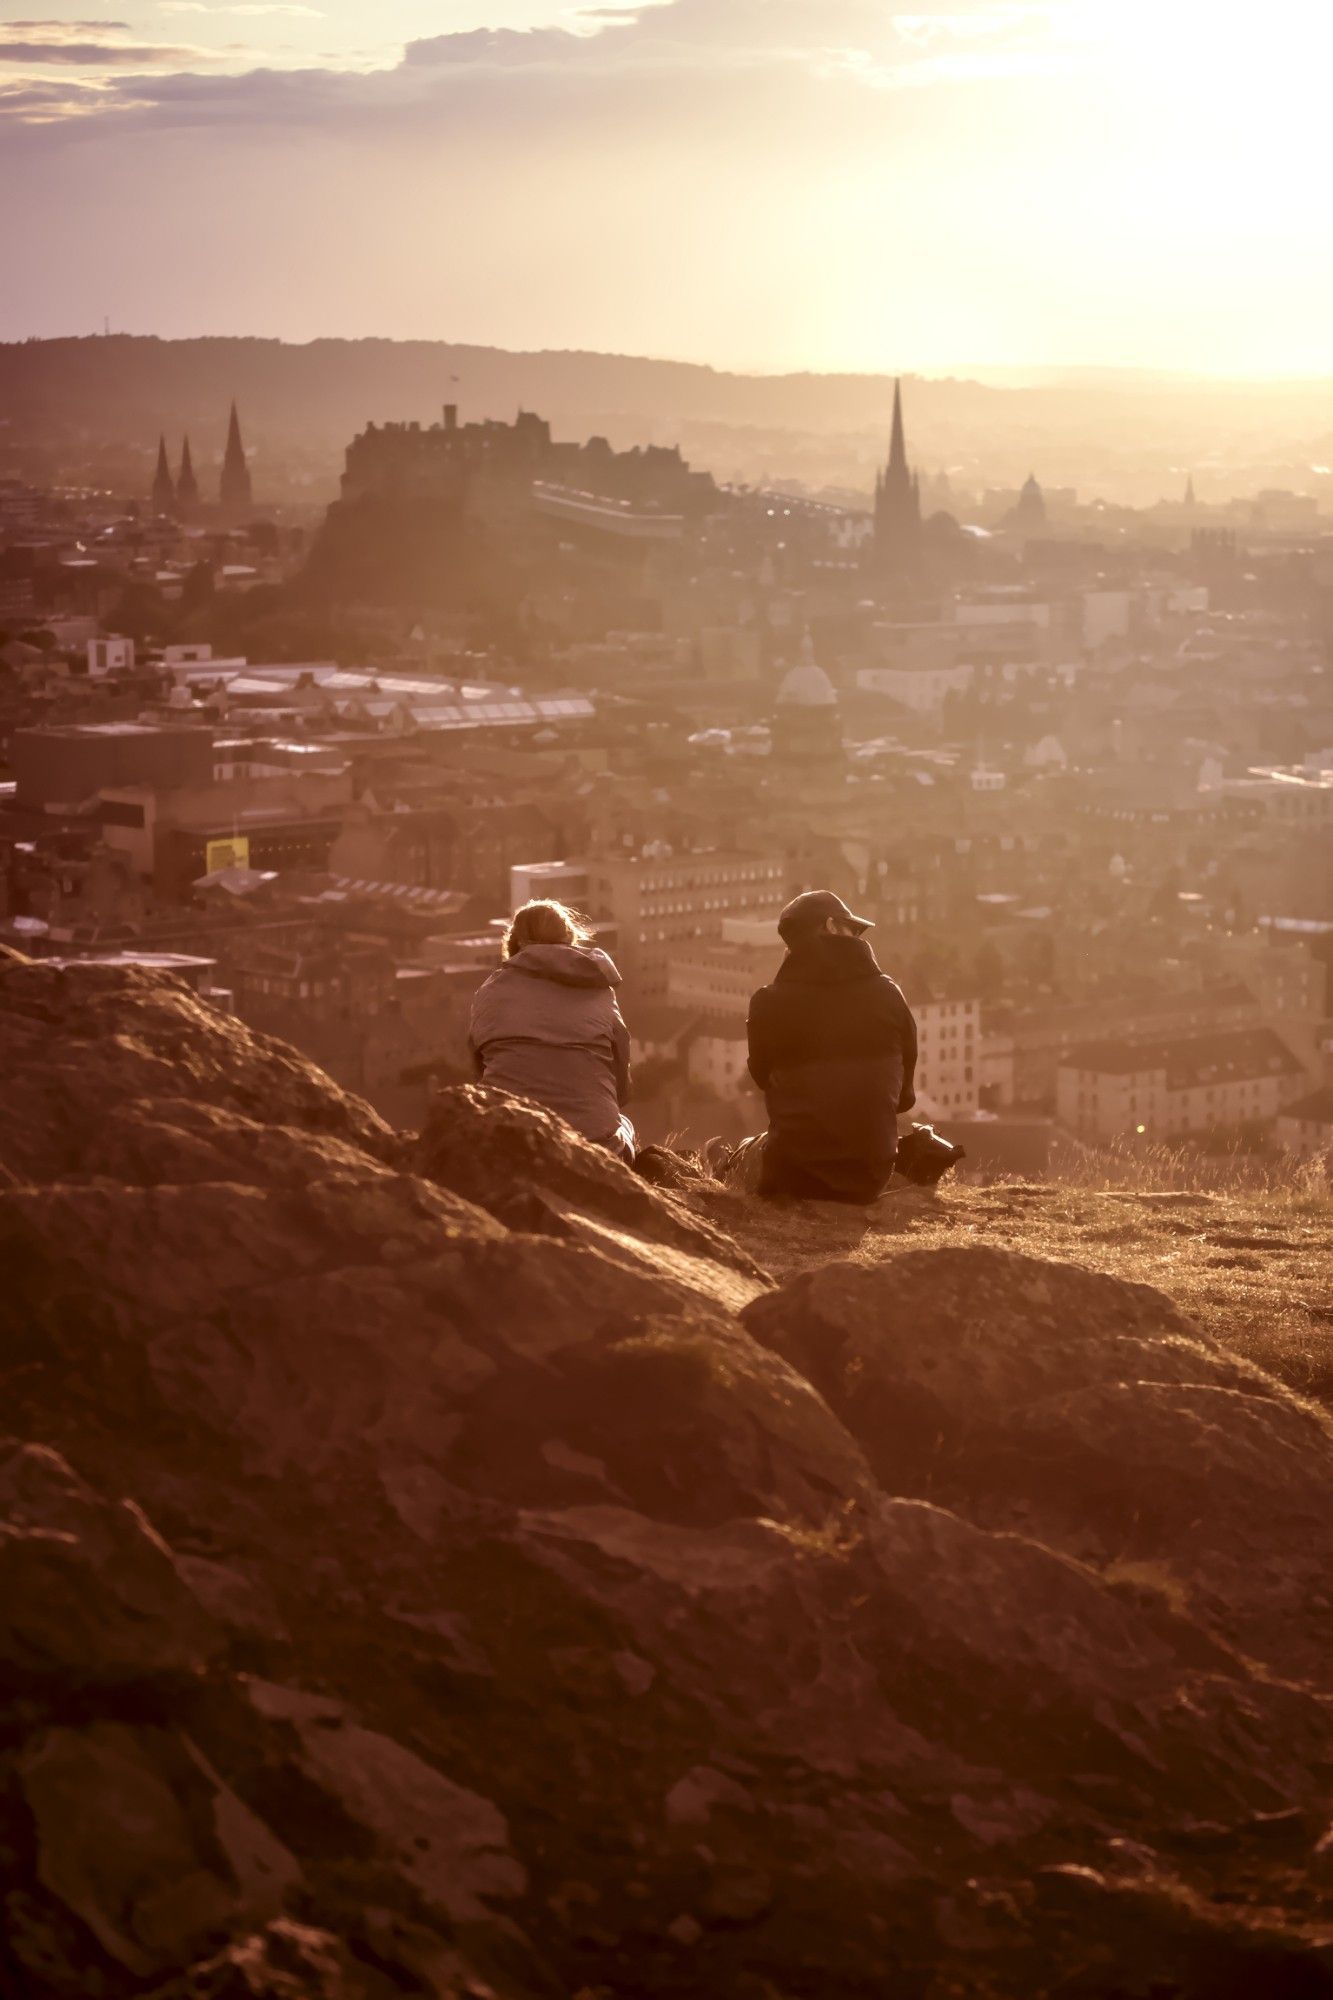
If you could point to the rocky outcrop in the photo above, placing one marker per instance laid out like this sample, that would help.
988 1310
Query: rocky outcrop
528 1169
81 1045
1087 1412
451 1568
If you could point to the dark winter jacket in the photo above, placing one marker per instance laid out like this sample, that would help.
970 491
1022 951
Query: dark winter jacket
546 1026
833 1048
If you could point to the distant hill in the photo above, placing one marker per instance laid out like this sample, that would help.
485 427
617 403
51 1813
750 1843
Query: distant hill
1125 435
331 387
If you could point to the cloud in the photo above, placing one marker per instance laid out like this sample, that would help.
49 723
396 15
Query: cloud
35 97
101 45
240 7
777 183
60 34
102 55
863 40
606 58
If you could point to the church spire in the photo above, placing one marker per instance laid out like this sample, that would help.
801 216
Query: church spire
897 501
235 488
164 487
898 440
187 486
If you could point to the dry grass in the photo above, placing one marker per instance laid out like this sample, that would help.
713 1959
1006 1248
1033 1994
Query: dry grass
1159 1166
1253 1266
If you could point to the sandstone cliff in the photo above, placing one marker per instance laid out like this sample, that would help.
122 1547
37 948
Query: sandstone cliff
450 1566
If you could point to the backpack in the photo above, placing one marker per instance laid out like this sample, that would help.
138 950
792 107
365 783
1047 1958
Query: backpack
923 1156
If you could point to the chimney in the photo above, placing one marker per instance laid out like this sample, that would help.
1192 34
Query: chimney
451 416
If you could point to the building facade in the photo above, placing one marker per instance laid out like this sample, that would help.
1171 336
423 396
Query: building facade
1111 1090
664 904
948 1069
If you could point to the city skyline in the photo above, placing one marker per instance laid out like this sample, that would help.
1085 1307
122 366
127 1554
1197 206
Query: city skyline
759 184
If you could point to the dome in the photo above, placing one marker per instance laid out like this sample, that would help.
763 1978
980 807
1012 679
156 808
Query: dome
807 685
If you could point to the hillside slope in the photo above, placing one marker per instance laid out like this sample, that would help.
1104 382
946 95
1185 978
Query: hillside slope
449 1566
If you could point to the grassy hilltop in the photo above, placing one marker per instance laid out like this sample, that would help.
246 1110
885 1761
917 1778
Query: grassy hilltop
1253 1266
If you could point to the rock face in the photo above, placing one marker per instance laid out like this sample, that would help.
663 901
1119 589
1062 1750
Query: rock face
450 1568
1085 1411
530 1171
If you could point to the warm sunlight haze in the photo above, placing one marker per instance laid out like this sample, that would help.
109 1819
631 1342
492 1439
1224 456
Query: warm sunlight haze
765 184
666 1000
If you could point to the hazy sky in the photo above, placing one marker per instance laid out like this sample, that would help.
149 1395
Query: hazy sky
758 183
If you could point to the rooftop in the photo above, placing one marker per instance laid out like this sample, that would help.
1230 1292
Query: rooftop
1190 1060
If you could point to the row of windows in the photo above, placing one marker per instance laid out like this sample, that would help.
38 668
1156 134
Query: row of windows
1197 1099
709 878
649 908
290 989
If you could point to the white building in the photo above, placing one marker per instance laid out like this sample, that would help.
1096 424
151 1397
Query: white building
110 655
548 881
1002 607
1166 1089
719 1059
664 904
1306 1127
920 687
948 1066
1105 614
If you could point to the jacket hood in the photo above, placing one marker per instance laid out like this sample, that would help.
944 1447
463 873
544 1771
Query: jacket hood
826 960
566 964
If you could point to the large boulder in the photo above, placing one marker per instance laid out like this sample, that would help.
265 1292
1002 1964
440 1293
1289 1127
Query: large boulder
81 1043
136 1837
1089 1412
416 1579
89 1594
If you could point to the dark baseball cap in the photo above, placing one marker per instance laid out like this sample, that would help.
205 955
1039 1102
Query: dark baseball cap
811 910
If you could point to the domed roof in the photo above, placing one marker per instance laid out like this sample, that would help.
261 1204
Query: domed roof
806 685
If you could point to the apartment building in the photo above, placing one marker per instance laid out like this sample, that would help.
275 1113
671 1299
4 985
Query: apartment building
948 1069
1166 1089
1305 1128
716 976
663 905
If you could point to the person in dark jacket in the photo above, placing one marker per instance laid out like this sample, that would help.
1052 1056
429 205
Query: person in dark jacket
832 1045
546 1026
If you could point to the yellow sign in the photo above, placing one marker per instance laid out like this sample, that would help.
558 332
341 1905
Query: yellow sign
226 854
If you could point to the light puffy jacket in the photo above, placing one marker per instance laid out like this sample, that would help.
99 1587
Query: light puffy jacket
546 1026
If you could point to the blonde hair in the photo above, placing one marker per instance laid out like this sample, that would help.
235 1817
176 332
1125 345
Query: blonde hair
545 923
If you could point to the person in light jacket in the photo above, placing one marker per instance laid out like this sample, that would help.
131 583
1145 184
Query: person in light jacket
546 1026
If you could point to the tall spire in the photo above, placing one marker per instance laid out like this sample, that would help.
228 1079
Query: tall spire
187 486
898 441
164 488
234 492
897 502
